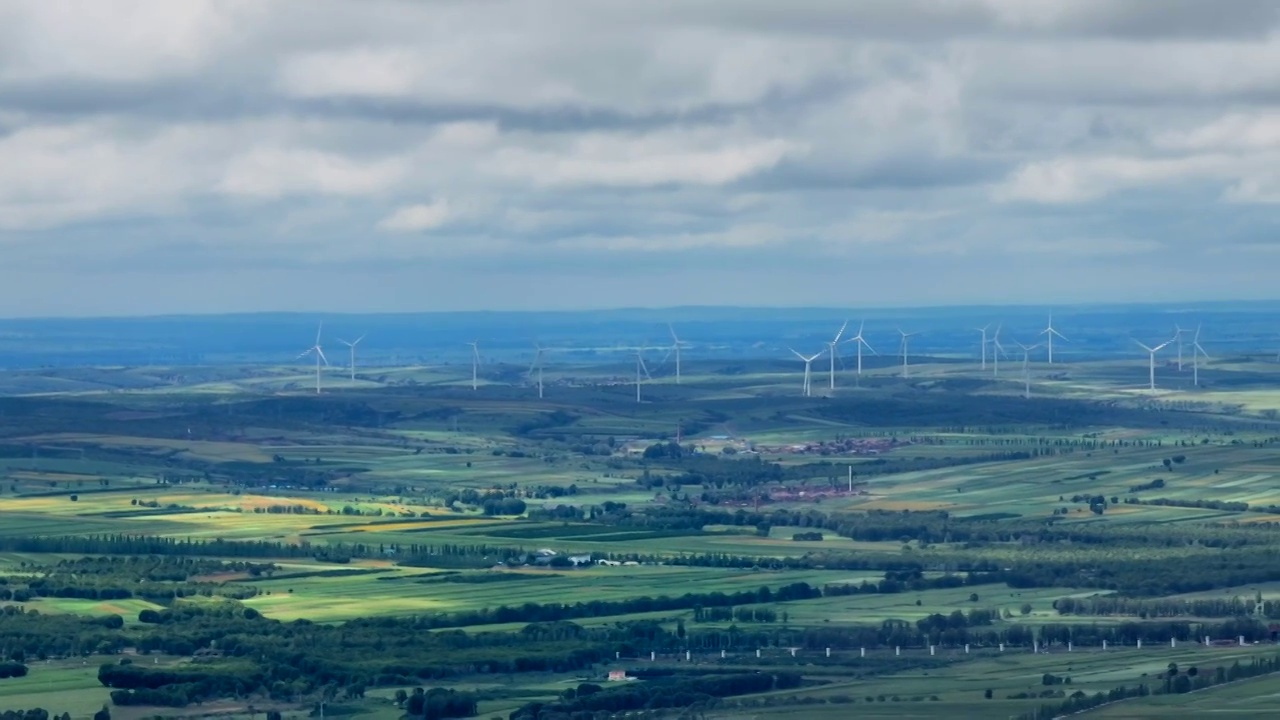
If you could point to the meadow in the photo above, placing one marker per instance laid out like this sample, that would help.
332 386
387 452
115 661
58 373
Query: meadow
408 497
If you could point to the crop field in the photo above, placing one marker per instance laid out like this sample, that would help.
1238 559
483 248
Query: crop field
1256 698
398 591
958 689
60 685
405 493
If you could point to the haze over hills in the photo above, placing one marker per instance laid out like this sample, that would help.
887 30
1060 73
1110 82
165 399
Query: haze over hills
1093 331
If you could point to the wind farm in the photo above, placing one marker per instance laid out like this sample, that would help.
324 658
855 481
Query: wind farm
416 476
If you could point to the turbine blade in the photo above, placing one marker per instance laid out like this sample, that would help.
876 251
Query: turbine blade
322 357
318 330
840 334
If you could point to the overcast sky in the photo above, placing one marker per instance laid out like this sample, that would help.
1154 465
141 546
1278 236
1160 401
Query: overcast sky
206 156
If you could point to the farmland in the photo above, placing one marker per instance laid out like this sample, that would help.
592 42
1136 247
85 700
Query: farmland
936 538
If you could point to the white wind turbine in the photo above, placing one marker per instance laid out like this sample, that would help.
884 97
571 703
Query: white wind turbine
906 372
352 346
1026 370
640 367
537 365
676 344
1051 332
996 351
1177 338
1196 353
808 364
1151 366
861 343
833 348
315 350
983 330
475 364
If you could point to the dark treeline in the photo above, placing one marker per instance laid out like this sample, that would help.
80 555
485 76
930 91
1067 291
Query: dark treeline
158 579
1110 605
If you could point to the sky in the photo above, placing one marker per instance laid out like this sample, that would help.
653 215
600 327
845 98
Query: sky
314 155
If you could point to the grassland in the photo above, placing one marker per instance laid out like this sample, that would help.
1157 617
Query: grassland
385 464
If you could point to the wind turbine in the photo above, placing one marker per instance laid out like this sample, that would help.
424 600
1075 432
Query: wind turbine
537 365
475 364
352 345
1196 353
808 363
1051 332
983 330
640 366
905 371
861 343
996 351
315 349
835 352
1026 371
676 343
1177 338
1152 363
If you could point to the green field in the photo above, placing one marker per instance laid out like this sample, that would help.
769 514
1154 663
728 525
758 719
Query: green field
408 497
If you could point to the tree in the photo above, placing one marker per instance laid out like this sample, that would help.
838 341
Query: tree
1025 609
103 714
987 694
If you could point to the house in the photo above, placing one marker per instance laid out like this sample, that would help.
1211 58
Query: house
580 559
618 676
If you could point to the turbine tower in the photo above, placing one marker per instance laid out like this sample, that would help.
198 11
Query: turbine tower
861 343
676 343
1197 352
1151 366
833 347
352 346
808 364
315 350
906 372
640 366
1051 332
983 330
475 364
996 351
537 365
1177 338
1026 370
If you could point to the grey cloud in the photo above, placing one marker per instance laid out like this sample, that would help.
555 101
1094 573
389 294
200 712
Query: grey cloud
732 150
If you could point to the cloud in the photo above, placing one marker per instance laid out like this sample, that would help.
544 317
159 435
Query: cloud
416 218
628 161
271 173
891 146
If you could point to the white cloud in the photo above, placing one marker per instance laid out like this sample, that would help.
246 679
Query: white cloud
271 173
638 161
416 218
1075 180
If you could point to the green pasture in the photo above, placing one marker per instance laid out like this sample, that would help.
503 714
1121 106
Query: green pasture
1247 699
60 686
960 686
404 591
